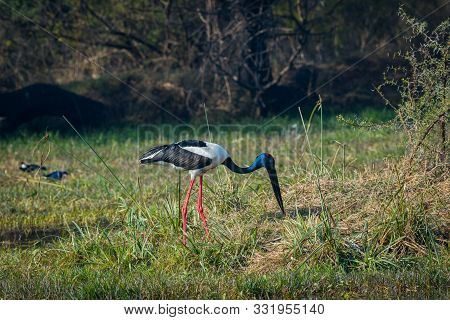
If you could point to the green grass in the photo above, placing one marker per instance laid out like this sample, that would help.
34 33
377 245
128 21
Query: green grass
373 231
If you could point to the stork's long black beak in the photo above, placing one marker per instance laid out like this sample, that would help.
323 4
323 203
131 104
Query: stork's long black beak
276 187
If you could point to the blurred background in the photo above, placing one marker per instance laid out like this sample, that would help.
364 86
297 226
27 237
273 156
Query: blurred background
114 61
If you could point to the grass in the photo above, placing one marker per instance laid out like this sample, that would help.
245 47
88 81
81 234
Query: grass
359 225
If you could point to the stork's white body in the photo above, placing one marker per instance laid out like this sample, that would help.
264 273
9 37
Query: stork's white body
212 151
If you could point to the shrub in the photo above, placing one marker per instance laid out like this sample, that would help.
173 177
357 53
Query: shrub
422 85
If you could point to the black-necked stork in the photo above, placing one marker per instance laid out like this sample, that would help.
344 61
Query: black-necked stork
198 157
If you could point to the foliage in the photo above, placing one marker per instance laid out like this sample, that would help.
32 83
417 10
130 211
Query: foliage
422 84
423 87
234 55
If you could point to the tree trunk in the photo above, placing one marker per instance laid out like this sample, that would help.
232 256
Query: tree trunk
257 71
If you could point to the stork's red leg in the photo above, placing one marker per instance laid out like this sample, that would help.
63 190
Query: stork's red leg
200 206
184 209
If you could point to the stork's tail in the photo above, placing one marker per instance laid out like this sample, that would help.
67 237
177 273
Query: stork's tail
150 154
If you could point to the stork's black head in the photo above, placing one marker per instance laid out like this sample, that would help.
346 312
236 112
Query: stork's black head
269 163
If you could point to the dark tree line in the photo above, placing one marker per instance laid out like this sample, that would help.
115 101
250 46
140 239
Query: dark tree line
230 53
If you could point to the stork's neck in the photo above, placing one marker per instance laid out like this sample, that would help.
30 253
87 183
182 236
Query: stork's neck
258 163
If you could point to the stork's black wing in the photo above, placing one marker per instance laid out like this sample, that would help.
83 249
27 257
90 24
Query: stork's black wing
176 155
192 143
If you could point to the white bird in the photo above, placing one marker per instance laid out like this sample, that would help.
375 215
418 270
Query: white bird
198 157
